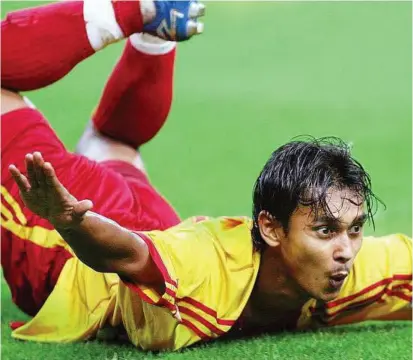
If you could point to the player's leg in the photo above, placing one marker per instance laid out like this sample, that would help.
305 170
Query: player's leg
135 102
42 44
134 106
24 130
31 273
31 255
32 252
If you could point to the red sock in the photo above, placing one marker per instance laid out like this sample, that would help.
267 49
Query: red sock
40 45
137 97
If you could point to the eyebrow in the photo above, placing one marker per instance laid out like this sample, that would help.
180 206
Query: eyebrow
332 220
362 218
325 219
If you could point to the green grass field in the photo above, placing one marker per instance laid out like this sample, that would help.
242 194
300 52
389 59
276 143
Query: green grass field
261 74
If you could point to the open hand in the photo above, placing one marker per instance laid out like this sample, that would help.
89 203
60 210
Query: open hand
43 193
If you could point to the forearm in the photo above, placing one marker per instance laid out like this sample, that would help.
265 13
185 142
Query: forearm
103 244
100 243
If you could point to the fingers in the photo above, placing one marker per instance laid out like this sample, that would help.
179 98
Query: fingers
38 163
39 173
31 175
34 166
51 179
20 179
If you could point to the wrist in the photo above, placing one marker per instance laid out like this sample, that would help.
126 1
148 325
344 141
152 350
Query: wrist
66 222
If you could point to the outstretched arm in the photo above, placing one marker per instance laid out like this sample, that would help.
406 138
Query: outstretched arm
99 242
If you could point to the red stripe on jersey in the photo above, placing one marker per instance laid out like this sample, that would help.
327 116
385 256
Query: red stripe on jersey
229 223
402 277
139 291
201 320
208 311
402 286
198 332
157 258
146 298
373 298
399 294
332 304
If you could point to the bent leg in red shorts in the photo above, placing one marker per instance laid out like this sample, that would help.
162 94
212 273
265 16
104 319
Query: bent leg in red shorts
32 252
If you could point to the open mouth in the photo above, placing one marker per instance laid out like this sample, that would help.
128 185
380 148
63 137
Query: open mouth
336 280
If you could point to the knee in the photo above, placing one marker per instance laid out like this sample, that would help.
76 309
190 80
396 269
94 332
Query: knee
98 147
11 101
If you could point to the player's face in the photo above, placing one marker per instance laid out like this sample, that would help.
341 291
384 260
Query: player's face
319 249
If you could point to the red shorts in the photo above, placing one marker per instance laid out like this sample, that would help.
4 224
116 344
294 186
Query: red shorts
117 189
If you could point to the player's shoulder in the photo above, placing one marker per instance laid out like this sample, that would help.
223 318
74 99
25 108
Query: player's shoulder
221 226
222 222
380 261
228 234
220 242
390 247
213 228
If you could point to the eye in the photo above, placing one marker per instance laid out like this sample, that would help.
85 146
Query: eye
356 229
324 231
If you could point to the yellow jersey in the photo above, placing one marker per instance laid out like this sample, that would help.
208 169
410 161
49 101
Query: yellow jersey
379 286
210 268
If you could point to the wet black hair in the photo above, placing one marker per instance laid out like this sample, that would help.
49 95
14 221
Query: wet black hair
300 173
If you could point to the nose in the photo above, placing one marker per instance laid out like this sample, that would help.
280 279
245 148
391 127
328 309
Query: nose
343 252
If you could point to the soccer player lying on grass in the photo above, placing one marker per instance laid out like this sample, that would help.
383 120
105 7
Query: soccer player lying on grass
301 262
292 266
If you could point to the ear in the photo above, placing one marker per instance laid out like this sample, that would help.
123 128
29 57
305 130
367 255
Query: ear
270 229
